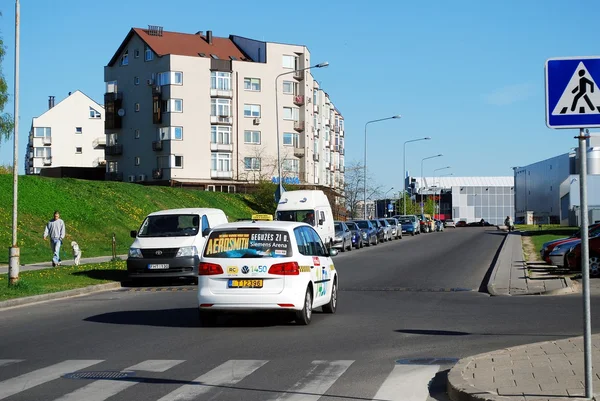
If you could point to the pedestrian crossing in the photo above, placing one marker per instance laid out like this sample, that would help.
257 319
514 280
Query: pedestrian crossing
230 380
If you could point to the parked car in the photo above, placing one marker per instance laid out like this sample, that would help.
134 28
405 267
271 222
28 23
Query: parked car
547 247
396 227
387 229
410 224
370 230
573 256
359 237
342 239
439 226
558 254
461 223
381 236
449 223
427 221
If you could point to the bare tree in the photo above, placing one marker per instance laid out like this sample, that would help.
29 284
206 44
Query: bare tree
354 188
268 165
6 119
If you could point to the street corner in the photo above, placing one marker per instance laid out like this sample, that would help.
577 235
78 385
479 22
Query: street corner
462 384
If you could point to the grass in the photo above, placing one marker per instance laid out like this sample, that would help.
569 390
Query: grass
94 210
37 282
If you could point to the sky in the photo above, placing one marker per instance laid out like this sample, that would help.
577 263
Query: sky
468 74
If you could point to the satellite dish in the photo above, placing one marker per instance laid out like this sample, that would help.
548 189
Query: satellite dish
121 112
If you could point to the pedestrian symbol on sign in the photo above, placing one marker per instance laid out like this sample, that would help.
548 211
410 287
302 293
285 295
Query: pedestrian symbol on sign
580 96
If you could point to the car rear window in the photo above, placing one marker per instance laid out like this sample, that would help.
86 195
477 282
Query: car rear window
248 243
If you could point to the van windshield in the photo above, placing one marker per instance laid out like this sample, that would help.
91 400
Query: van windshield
170 225
248 243
304 216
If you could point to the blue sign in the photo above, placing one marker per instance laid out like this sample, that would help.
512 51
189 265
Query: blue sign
390 207
286 180
572 95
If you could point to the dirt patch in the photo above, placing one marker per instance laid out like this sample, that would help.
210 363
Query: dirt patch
529 251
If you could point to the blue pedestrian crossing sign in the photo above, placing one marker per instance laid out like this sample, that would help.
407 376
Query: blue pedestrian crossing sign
572 93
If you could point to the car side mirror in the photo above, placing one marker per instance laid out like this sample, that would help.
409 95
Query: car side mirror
321 221
206 232
133 233
333 252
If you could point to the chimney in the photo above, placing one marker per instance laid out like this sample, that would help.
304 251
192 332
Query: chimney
209 37
50 102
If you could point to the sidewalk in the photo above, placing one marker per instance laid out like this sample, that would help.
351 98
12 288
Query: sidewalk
510 274
48 265
551 370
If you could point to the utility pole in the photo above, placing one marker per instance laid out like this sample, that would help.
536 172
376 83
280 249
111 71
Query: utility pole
14 253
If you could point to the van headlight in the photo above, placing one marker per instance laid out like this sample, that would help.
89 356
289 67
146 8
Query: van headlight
187 251
135 253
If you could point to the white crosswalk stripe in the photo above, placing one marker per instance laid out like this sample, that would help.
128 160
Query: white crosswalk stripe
100 390
6 362
41 376
407 383
229 373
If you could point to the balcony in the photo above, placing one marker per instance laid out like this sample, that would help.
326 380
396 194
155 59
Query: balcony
221 119
113 102
315 157
299 75
114 150
316 108
99 142
98 162
30 155
299 152
341 132
342 151
221 174
327 121
327 144
221 93
113 176
221 147
47 140
299 126
157 145
299 100
342 169
48 161
336 128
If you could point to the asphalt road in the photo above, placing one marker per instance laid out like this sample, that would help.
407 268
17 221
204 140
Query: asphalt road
414 298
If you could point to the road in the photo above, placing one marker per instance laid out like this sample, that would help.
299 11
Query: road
415 298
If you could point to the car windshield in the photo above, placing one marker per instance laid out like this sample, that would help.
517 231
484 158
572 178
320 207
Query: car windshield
304 216
338 227
248 243
352 226
405 221
362 224
392 222
170 225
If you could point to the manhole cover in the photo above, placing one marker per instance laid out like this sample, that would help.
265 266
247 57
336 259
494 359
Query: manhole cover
107 374
427 361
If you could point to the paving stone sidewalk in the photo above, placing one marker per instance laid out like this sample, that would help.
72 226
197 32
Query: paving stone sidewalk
552 370
48 265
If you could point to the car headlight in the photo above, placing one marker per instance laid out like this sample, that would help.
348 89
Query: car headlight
338 238
364 235
135 253
187 251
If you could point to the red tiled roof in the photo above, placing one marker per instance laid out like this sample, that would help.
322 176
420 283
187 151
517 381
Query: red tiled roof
184 44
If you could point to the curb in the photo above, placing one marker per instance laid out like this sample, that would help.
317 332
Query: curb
491 287
58 295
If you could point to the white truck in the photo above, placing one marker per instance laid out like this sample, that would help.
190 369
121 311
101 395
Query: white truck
311 207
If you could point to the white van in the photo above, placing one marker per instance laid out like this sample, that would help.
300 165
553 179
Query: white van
169 242
310 207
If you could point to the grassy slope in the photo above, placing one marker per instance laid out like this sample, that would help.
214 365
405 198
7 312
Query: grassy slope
93 210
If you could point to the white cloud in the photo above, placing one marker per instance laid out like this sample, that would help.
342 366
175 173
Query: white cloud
510 94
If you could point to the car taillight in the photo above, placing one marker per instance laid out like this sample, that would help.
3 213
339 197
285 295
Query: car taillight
209 269
285 269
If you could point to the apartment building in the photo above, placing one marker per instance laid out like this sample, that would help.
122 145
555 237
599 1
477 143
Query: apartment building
201 110
68 134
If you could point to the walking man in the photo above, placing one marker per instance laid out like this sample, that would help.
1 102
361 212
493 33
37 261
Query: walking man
55 229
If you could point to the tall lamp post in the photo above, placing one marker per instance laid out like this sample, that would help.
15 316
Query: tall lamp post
14 254
320 65
365 161
439 202
421 187
404 176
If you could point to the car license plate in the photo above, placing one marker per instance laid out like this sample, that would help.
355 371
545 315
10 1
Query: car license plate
245 283
157 267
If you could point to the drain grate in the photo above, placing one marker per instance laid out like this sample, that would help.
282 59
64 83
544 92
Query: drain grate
106 374
427 361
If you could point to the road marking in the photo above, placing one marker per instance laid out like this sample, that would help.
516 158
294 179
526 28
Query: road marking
229 373
101 390
41 376
6 362
317 381
407 383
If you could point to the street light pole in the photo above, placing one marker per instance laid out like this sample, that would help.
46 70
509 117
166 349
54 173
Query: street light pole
439 202
320 65
404 176
14 263
421 187
365 161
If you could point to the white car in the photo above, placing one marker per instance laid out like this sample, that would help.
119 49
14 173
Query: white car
266 265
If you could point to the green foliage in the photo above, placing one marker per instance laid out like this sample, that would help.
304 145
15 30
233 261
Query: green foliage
94 210
6 169
6 120
264 197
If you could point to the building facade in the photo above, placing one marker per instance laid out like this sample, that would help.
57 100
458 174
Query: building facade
68 134
203 110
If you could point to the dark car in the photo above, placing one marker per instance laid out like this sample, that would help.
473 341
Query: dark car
380 230
370 230
359 237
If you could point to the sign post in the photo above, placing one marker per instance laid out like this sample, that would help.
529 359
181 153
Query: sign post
573 101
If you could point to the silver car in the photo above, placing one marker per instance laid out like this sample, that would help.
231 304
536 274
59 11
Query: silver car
396 228
387 230
343 236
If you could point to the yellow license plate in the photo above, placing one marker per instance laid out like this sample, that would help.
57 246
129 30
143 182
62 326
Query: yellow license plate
245 283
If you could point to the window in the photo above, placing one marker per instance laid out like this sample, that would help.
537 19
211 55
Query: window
78 130
178 133
94 113
220 134
289 62
252 163
252 137
252 110
136 53
290 165
137 160
290 139
42 152
111 87
137 134
125 58
43 132
289 87
220 80
136 80
173 106
220 161
252 84
170 133
137 107
177 161
169 78
220 107
78 150
148 54
290 113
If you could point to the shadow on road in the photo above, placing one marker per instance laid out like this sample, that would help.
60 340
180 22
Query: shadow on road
430 332
104 274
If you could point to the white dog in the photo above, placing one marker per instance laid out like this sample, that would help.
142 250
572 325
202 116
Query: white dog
76 252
